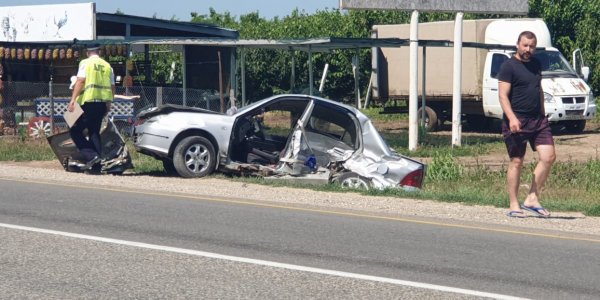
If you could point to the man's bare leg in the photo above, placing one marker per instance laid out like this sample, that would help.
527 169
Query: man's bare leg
513 178
547 156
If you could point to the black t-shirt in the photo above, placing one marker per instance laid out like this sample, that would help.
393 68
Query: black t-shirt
525 80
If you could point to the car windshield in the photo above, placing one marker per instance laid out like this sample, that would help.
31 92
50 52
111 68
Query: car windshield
554 64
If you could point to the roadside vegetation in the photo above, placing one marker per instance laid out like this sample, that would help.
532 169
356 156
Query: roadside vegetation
572 186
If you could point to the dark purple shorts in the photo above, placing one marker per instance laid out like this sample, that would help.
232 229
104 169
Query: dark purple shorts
536 131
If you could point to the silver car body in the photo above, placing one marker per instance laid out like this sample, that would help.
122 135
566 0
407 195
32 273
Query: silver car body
320 138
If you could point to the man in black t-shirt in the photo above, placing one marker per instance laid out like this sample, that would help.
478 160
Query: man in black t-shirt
522 100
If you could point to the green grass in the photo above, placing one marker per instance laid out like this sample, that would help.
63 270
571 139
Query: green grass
572 186
16 149
376 115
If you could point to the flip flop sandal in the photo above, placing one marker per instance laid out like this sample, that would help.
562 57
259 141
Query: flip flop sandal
536 210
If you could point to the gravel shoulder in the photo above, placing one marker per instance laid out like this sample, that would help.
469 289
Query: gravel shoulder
564 224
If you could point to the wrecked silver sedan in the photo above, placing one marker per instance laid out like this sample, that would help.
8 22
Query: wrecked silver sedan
291 137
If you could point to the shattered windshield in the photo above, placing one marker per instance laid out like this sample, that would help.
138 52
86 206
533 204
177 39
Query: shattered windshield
554 64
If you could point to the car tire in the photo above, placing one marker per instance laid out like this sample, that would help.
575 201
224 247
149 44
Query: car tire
351 180
169 166
194 156
431 118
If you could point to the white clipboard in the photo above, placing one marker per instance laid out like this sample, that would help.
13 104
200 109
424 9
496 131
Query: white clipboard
72 116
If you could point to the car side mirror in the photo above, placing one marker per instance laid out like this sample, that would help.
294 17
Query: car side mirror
585 73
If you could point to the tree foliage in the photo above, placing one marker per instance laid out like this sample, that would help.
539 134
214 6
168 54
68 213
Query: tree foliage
572 23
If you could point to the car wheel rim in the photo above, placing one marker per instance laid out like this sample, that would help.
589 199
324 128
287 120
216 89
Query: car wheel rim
197 158
355 183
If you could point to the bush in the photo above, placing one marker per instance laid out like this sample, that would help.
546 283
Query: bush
444 167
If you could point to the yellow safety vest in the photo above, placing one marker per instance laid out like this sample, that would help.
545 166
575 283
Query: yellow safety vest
98 87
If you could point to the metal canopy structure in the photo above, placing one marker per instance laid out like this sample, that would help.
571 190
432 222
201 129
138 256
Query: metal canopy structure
314 45
307 45
129 26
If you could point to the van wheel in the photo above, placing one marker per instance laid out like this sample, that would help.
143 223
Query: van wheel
194 156
575 127
431 118
351 180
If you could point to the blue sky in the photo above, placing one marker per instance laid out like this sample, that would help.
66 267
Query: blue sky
181 8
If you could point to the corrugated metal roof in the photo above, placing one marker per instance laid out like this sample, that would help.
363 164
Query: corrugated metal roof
190 27
315 45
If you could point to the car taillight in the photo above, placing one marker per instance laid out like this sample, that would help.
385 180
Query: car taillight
414 179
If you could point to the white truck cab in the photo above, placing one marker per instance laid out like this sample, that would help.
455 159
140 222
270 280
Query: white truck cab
568 99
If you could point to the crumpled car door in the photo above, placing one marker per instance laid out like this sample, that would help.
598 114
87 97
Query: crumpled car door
114 150
323 135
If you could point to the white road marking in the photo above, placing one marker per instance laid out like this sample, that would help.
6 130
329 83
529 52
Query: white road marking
263 262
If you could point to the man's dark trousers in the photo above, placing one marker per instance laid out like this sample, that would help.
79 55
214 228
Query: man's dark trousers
93 112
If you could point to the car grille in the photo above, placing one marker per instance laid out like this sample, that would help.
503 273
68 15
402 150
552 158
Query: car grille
573 100
578 112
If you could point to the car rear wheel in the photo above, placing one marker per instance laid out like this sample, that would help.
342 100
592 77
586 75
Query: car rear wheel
351 180
169 167
194 156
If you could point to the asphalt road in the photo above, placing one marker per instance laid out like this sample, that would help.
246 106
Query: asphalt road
49 265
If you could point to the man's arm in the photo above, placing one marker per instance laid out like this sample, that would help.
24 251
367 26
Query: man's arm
542 107
503 92
109 104
79 84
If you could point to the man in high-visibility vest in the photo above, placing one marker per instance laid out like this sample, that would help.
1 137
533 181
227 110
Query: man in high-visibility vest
93 91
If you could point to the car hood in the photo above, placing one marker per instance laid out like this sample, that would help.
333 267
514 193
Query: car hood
565 86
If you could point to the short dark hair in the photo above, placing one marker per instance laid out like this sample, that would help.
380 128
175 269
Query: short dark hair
527 34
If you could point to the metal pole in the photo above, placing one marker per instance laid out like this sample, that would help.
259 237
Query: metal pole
424 71
184 74
293 76
232 77
243 76
457 80
325 70
413 129
51 95
357 77
221 83
310 71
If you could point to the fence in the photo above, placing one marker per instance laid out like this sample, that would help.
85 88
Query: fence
22 102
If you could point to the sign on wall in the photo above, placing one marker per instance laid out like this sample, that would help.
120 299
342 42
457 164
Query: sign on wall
517 7
48 23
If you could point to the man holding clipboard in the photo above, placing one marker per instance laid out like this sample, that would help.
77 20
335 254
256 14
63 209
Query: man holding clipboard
93 91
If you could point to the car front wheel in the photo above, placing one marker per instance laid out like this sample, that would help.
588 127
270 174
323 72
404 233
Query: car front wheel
194 156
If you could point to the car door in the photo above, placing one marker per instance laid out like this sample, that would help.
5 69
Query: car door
325 130
264 131
491 103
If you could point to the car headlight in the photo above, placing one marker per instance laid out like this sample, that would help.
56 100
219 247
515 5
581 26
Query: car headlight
592 99
548 98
